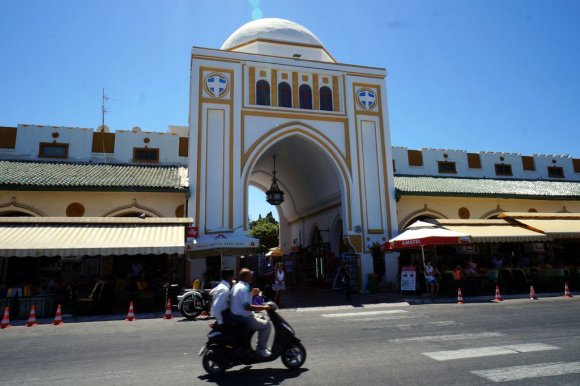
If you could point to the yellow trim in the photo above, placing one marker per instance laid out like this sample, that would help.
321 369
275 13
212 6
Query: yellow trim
284 76
207 129
356 242
274 88
375 231
367 113
203 100
316 91
366 75
284 44
293 114
215 58
305 78
295 96
279 133
262 73
335 94
325 79
216 101
252 85
378 178
315 213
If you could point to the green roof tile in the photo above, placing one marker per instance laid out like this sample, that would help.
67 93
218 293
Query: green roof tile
483 187
51 175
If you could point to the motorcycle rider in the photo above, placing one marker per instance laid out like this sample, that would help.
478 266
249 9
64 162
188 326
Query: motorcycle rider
242 309
220 296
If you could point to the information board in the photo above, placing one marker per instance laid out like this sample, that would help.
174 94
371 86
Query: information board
408 278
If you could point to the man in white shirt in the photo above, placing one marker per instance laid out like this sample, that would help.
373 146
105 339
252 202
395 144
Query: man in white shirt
220 296
241 307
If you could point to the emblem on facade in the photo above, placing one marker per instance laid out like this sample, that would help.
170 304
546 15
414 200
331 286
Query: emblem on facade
367 99
216 85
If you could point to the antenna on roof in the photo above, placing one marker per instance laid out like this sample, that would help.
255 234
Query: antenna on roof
103 127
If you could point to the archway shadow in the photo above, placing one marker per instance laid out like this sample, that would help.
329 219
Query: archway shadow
248 376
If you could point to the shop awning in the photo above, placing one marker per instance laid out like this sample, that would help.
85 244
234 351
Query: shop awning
91 236
555 225
492 231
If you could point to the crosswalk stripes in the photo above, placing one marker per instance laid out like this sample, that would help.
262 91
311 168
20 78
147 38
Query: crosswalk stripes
538 370
478 352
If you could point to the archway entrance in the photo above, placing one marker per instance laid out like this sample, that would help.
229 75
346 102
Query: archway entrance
310 216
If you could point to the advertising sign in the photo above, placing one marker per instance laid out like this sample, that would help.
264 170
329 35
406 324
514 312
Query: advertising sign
408 278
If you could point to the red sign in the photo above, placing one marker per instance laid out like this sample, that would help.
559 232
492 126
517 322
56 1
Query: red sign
191 232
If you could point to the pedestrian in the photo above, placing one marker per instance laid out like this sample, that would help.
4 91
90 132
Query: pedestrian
431 278
279 282
220 296
346 279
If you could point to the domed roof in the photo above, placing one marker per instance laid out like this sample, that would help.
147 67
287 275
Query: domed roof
271 29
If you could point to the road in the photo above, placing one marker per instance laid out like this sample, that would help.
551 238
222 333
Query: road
517 342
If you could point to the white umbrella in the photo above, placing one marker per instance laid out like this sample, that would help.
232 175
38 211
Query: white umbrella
233 244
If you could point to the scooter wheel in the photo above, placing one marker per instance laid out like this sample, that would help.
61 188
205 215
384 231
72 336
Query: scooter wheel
210 365
294 356
188 308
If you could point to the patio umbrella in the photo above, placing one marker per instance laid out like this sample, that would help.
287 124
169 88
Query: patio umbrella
275 252
232 244
421 234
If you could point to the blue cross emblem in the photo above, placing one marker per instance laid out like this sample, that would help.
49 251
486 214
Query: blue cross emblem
367 98
217 84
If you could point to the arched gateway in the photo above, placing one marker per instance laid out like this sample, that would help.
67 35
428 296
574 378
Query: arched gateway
274 90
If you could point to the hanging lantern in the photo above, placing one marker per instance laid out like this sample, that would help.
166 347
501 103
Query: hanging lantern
274 196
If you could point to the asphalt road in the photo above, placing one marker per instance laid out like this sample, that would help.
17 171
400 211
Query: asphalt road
517 342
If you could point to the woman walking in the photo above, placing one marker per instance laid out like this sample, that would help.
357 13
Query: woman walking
279 282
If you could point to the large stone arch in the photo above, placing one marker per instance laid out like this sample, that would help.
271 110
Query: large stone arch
314 137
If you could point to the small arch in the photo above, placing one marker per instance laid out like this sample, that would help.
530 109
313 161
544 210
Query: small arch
16 209
421 214
284 95
305 93
132 210
325 98
492 214
263 93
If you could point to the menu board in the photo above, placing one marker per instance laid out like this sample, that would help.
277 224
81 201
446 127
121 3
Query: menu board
408 278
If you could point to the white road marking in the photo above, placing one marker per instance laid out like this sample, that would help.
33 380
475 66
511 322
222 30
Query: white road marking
351 307
373 319
476 335
488 351
529 371
363 313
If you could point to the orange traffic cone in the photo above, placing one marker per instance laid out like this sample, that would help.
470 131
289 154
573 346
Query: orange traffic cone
533 293
131 315
58 318
459 297
168 314
567 293
32 317
6 319
497 295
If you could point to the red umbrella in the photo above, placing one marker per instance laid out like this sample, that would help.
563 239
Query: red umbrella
421 234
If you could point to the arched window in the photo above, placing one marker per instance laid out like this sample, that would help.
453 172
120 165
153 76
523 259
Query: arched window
263 93
284 95
305 97
325 98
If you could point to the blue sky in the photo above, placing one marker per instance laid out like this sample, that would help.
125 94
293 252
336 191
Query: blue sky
493 75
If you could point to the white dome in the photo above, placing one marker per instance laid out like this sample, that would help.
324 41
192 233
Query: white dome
271 29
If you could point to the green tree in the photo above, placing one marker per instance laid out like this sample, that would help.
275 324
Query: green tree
266 229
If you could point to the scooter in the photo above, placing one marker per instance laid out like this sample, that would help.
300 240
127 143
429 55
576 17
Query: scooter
194 302
225 349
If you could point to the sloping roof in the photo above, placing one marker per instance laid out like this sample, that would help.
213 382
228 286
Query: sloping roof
484 187
86 176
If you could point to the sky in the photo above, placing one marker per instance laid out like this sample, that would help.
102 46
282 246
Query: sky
476 75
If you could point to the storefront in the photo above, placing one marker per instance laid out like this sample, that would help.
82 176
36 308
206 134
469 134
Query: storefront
88 264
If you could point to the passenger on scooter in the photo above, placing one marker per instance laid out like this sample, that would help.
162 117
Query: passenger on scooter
220 296
242 309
